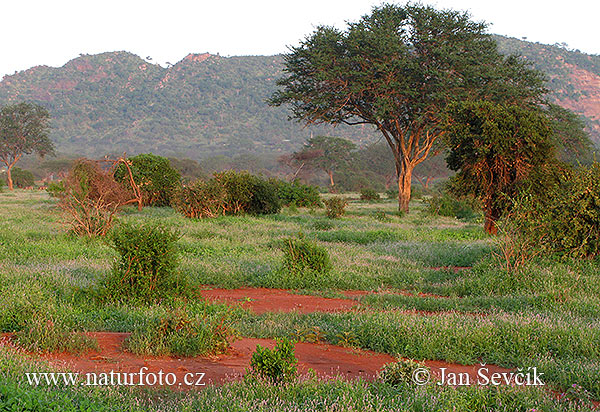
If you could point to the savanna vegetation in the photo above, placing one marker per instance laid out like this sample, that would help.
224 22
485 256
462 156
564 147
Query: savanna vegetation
497 264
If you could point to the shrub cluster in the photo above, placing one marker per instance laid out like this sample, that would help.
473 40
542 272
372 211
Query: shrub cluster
275 365
154 175
445 204
229 193
565 220
296 193
200 199
370 195
335 207
146 268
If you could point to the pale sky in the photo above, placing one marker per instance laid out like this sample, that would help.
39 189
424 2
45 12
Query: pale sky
52 32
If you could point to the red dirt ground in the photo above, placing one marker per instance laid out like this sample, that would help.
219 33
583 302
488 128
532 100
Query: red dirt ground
326 360
262 300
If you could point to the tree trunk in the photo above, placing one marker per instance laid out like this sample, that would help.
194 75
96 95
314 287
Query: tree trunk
404 186
9 177
489 224
330 173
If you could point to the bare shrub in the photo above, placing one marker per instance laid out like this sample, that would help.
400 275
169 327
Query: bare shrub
92 198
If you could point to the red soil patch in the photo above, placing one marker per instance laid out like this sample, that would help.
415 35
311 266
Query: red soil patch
326 360
262 300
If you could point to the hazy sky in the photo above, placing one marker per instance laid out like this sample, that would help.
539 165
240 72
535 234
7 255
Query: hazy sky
51 32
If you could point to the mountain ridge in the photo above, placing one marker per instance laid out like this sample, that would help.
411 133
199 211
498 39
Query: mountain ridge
206 104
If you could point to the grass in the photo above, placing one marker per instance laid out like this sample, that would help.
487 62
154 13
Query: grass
545 316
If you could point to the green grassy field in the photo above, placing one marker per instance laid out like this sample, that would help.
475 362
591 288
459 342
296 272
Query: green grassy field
546 316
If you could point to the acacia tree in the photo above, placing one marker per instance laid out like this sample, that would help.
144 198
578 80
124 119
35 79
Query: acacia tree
496 149
326 153
398 69
23 130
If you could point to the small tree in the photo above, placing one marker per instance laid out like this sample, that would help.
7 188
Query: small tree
326 153
22 178
495 149
23 130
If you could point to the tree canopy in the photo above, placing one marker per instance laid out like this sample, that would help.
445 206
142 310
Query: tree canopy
23 130
496 150
398 69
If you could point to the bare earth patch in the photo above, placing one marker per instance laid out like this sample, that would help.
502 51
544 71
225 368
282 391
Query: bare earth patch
324 359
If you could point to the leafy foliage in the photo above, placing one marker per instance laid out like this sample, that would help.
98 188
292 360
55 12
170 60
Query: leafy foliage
445 204
230 193
201 199
154 175
496 148
335 207
20 178
326 153
564 220
91 198
425 60
276 365
146 268
297 193
370 195
23 130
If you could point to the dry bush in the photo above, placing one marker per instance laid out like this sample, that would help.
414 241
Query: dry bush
92 198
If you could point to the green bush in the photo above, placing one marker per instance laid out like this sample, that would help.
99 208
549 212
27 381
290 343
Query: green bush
400 372
56 189
200 199
392 194
369 195
146 268
264 200
301 255
238 186
565 220
297 193
335 207
154 175
447 205
228 192
276 365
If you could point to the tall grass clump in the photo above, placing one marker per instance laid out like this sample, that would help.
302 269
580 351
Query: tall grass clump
46 333
146 269
180 332
301 255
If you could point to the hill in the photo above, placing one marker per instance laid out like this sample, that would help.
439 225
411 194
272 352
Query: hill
207 105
